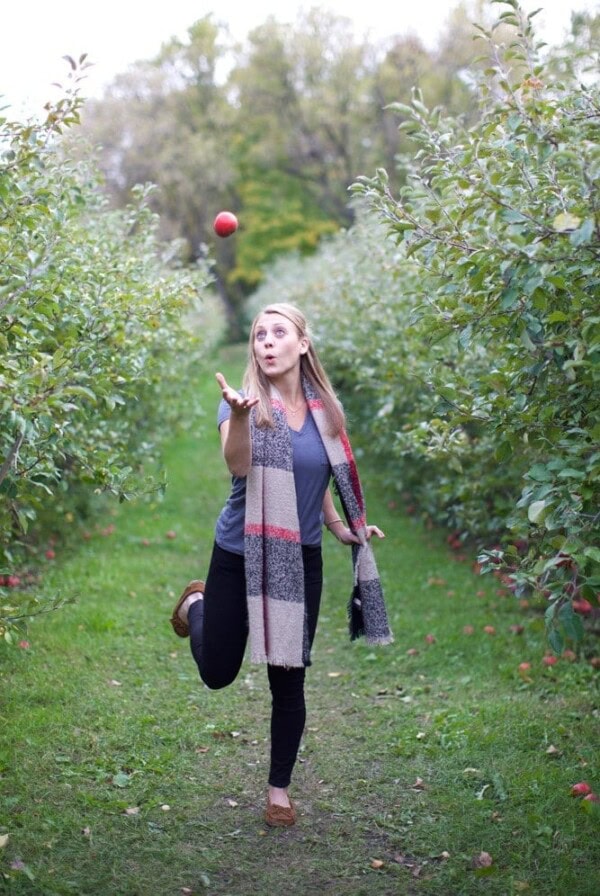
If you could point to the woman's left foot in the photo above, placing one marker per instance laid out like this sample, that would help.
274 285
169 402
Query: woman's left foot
277 814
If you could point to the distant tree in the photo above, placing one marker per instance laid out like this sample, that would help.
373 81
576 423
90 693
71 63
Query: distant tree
276 129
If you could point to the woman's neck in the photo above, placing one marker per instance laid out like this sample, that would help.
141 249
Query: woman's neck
290 389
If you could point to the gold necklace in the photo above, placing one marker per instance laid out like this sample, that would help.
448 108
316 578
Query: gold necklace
295 411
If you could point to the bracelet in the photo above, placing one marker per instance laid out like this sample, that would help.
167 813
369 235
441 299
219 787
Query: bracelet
331 522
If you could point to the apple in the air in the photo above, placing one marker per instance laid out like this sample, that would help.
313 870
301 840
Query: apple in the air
225 224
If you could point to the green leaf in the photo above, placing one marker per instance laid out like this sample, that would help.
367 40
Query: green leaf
537 511
556 317
583 234
571 622
121 779
556 641
540 473
565 222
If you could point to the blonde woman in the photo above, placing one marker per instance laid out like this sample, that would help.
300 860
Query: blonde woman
283 438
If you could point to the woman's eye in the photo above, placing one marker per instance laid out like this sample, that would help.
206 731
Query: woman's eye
260 337
280 332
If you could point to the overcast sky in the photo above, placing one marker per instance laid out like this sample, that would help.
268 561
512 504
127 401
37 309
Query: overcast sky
35 34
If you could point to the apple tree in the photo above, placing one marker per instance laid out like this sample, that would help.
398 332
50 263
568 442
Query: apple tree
503 221
94 340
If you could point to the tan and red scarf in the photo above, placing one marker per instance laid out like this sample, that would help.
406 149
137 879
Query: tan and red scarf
273 551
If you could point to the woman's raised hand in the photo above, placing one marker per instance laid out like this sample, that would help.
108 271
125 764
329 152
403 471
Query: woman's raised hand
238 403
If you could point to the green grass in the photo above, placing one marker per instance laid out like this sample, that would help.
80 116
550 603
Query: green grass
105 712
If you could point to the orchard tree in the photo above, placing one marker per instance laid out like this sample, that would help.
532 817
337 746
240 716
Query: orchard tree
504 222
275 129
93 340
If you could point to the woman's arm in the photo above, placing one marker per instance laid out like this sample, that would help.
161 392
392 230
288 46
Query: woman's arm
336 525
235 432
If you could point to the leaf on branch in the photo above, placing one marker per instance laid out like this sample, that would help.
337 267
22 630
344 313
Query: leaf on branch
566 222
537 511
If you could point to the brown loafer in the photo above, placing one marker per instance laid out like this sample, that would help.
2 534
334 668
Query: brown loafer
179 626
280 816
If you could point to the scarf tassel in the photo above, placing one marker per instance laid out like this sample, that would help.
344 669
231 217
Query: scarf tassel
355 615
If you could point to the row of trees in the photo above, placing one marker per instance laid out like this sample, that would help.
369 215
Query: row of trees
95 343
275 129
461 319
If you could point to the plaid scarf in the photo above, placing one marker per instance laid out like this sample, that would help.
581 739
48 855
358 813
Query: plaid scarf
273 551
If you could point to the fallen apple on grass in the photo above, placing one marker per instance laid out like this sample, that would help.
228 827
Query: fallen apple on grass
582 788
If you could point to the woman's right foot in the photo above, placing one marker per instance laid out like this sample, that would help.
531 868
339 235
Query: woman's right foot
184 609
179 618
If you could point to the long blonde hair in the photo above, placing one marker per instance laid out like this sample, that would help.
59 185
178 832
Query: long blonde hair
256 382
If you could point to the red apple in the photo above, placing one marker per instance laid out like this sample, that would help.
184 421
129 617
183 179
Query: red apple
50 555
581 789
225 224
565 560
524 667
468 630
489 629
592 798
549 660
583 606
430 639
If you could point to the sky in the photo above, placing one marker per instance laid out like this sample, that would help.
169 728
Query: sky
36 34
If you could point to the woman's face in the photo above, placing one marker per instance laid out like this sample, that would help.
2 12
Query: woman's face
277 345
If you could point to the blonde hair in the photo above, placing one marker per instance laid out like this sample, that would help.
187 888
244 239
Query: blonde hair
256 382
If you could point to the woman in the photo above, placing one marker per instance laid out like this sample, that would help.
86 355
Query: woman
283 438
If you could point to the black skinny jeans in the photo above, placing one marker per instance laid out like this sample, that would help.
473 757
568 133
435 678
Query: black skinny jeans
218 634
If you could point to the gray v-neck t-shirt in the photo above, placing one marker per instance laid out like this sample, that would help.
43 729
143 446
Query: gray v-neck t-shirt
312 472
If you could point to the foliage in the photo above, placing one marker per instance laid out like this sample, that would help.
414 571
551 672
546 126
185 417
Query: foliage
93 335
479 338
274 129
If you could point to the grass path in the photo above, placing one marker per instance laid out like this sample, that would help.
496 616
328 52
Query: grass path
121 775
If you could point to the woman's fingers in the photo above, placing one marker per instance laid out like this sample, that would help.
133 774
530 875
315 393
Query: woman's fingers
374 530
235 401
221 381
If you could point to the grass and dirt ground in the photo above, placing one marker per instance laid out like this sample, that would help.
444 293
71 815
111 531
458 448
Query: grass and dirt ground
432 766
